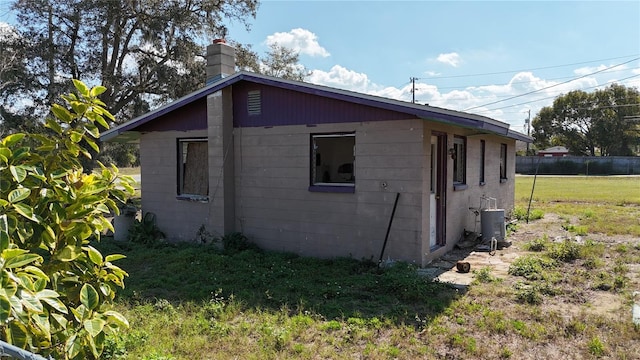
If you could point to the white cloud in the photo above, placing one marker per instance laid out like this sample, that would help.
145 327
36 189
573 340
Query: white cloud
586 70
452 59
485 100
343 78
301 40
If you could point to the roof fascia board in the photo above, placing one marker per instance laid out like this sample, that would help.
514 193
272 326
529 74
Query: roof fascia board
163 110
425 112
421 111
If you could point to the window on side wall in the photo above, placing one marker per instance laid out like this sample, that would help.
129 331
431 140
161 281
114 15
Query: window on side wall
193 169
333 162
503 162
459 155
482 152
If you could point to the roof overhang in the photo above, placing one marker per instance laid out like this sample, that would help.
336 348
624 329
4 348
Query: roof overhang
127 132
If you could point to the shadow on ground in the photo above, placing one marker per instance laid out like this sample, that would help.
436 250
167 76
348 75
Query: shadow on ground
334 289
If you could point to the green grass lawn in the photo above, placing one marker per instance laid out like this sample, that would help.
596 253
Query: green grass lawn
608 205
193 301
609 190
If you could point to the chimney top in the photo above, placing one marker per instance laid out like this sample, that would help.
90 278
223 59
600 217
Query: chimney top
221 60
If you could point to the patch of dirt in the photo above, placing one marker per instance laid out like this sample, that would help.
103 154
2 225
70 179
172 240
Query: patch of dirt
578 300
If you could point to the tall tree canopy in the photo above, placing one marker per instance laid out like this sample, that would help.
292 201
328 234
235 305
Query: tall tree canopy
604 122
144 51
14 80
279 61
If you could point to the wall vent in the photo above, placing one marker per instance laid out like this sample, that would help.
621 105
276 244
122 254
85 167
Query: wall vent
254 102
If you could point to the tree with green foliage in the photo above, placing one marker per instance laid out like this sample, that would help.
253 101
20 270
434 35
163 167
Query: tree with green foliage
605 122
14 79
279 61
55 288
145 52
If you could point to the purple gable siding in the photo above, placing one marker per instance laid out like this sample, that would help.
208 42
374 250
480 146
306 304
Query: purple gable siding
282 106
192 116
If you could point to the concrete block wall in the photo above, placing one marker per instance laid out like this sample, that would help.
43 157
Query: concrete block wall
178 219
270 174
221 163
275 208
459 216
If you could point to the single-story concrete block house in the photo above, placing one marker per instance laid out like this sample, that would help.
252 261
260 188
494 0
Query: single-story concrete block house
315 170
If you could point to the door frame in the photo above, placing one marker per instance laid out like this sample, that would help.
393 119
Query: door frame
440 186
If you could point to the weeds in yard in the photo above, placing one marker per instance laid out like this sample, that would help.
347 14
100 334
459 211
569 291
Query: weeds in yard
596 347
256 304
505 353
520 214
565 251
483 275
580 230
593 263
531 267
146 231
528 294
537 245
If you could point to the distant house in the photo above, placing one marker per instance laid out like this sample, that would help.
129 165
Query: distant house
554 151
316 170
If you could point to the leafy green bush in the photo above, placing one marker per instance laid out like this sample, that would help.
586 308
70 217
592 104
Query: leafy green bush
145 231
55 288
236 242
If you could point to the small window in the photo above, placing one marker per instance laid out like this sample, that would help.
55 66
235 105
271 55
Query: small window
503 162
332 162
193 169
482 152
459 160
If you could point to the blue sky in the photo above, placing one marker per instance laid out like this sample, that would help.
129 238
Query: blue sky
464 54
467 55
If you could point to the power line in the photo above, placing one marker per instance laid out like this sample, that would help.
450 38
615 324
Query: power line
538 68
512 83
548 87
552 97
556 92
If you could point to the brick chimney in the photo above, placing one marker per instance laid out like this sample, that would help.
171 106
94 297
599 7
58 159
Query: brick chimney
221 60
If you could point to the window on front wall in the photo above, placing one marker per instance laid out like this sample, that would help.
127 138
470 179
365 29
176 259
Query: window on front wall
459 155
503 162
193 173
333 161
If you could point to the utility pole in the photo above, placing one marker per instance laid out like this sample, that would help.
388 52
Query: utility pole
413 89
